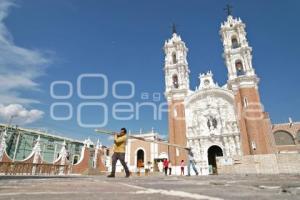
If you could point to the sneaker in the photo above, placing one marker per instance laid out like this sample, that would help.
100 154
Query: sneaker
111 176
197 174
127 176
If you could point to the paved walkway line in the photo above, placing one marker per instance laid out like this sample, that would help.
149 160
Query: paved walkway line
175 193
54 193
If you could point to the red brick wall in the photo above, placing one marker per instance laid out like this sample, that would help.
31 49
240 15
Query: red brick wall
100 165
177 131
254 123
82 166
5 158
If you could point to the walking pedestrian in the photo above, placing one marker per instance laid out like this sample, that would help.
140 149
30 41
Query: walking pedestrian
191 162
170 168
166 165
182 167
119 152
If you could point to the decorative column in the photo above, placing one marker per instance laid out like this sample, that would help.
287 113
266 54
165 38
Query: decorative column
98 146
202 160
2 144
37 154
232 146
226 147
237 144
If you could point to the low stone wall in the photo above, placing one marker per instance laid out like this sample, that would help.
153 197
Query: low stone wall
288 163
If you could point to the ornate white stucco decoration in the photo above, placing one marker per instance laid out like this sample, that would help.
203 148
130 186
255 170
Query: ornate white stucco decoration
88 142
211 120
37 150
232 22
2 144
176 65
206 81
36 153
63 153
98 146
237 50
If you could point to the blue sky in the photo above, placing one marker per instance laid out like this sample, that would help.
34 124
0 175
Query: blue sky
59 40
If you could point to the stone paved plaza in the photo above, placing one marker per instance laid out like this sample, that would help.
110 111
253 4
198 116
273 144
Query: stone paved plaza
151 187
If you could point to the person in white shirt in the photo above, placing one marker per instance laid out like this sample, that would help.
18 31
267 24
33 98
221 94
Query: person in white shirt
191 161
170 168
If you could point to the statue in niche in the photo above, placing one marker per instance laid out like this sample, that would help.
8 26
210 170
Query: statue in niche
212 123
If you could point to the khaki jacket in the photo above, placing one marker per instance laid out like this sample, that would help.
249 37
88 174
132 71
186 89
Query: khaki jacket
120 143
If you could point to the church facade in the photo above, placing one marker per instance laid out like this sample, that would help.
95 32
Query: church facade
216 120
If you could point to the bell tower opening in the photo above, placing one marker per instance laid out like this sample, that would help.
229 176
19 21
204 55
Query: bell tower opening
174 59
234 43
213 152
239 68
175 81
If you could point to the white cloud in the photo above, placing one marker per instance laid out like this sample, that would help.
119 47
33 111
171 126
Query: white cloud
20 114
19 67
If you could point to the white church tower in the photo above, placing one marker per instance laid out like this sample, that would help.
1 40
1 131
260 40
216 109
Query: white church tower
254 123
176 68
177 88
237 52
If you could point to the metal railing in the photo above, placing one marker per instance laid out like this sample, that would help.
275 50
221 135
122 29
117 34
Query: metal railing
20 168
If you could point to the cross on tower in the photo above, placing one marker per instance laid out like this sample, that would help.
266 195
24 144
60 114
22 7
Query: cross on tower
228 9
174 28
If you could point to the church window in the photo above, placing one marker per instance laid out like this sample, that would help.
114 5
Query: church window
245 102
75 159
175 113
174 58
175 81
253 145
239 68
206 82
234 43
283 138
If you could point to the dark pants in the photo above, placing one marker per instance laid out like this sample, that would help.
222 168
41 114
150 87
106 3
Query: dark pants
119 156
166 171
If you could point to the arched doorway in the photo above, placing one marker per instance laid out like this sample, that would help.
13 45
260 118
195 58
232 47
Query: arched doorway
212 153
140 158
